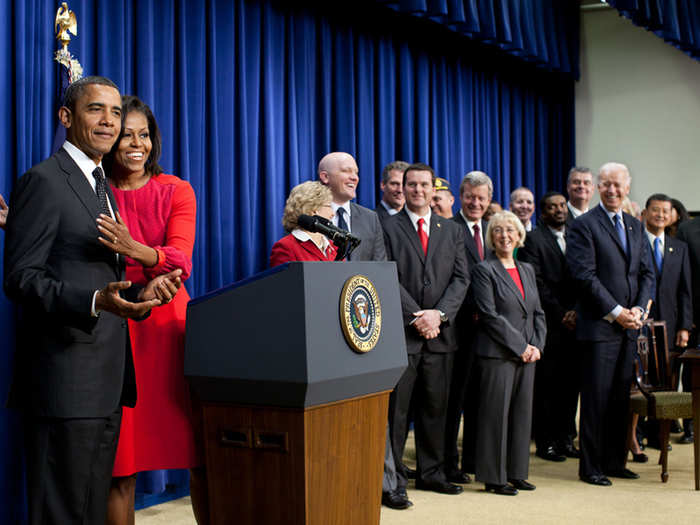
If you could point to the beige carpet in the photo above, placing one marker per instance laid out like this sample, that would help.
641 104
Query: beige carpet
560 498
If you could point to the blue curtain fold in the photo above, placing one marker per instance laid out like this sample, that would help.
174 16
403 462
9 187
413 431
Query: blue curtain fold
676 21
544 32
249 96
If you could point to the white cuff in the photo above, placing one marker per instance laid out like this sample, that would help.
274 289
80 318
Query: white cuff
613 314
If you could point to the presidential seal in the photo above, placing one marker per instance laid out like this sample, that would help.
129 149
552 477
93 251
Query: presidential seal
360 313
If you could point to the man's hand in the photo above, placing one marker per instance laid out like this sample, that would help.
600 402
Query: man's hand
4 209
682 337
531 354
569 320
630 319
108 300
427 323
164 287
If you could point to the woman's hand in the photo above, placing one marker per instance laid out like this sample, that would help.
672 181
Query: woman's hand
115 235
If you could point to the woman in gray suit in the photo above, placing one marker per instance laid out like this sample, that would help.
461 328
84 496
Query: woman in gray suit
510 334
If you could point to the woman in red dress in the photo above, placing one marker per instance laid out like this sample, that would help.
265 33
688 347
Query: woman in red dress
155 231
307 198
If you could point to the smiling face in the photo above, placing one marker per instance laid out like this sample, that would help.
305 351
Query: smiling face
475 200
392 190
94 124
580 189
657 216
504 237
418 189
523 205
135 145
442 203
555 211
613 186
340 173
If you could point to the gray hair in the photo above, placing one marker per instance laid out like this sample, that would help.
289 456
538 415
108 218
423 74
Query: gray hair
578 169
397 165
521 188
504 217
612 167
477 178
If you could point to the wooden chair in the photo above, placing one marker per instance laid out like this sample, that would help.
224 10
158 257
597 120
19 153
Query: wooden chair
656 398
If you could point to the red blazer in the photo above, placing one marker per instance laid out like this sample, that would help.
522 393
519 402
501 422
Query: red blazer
289 249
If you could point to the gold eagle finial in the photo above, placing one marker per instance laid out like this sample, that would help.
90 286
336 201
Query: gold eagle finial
65 22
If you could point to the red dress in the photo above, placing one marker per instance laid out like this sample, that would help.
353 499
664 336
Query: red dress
157 433
289 249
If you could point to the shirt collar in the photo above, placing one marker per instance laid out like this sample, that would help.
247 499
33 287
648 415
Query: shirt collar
611 214
303 236
651 238
575 211
470 224
389 209
414 219
86 164
346 207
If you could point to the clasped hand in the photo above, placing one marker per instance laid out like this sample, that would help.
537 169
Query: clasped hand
160 290
630 318
531 354
427 322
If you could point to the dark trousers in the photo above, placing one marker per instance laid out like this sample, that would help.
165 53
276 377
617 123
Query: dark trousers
607 374
429 374
69 468
557 384
463 400
504 420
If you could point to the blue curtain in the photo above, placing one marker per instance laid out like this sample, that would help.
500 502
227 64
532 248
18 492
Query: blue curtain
676 21
544 32
249 95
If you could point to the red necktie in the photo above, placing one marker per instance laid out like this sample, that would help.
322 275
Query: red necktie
423 236
477 240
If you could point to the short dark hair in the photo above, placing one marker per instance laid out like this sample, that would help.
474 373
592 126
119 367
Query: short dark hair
397 165
549 195
658 197
76 89
683 214
419 166
578 169
131 104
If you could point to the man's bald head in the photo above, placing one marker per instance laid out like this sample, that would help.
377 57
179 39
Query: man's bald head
338 170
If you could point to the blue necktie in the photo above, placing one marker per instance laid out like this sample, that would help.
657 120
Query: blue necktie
620 228
341 220
658 254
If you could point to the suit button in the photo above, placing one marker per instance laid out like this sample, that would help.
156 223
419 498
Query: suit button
426 282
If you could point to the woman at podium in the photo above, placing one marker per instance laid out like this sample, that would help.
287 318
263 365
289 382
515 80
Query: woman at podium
510 334
307 198
155 231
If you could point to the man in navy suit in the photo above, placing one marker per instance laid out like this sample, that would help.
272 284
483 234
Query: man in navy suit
392 190
433 278
608 256
673 302
579 187
475 194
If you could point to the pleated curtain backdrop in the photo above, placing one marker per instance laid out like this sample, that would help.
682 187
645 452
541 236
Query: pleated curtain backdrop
249 95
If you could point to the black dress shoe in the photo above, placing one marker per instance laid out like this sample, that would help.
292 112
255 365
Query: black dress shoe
685 439
521 484
410 473
458 477
597 479
568 450
395 499
640 458
441 487
550 454
503 490
676 428
623 473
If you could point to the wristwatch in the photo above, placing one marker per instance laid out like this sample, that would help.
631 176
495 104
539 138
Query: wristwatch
443 316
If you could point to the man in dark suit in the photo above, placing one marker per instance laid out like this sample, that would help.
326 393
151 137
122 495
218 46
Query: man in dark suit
339 172
579 187
475 193
556 385
392 190
433 279
73 366
522 204
673 301
608 256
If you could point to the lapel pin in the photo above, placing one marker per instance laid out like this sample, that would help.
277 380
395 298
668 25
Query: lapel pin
439 225
670 249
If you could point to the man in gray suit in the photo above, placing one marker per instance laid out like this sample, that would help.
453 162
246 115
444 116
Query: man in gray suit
339 172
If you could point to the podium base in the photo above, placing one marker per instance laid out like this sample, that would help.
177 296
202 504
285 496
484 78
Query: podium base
320 465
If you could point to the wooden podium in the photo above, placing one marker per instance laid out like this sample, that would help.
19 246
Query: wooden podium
294 420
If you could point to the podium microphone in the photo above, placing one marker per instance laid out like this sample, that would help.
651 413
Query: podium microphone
345 241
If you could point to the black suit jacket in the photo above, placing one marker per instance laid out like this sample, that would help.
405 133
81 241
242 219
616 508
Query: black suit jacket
507 321
554 282
365 224
689 232
604 274
381 212
438 280
68 363
673 300
469 244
